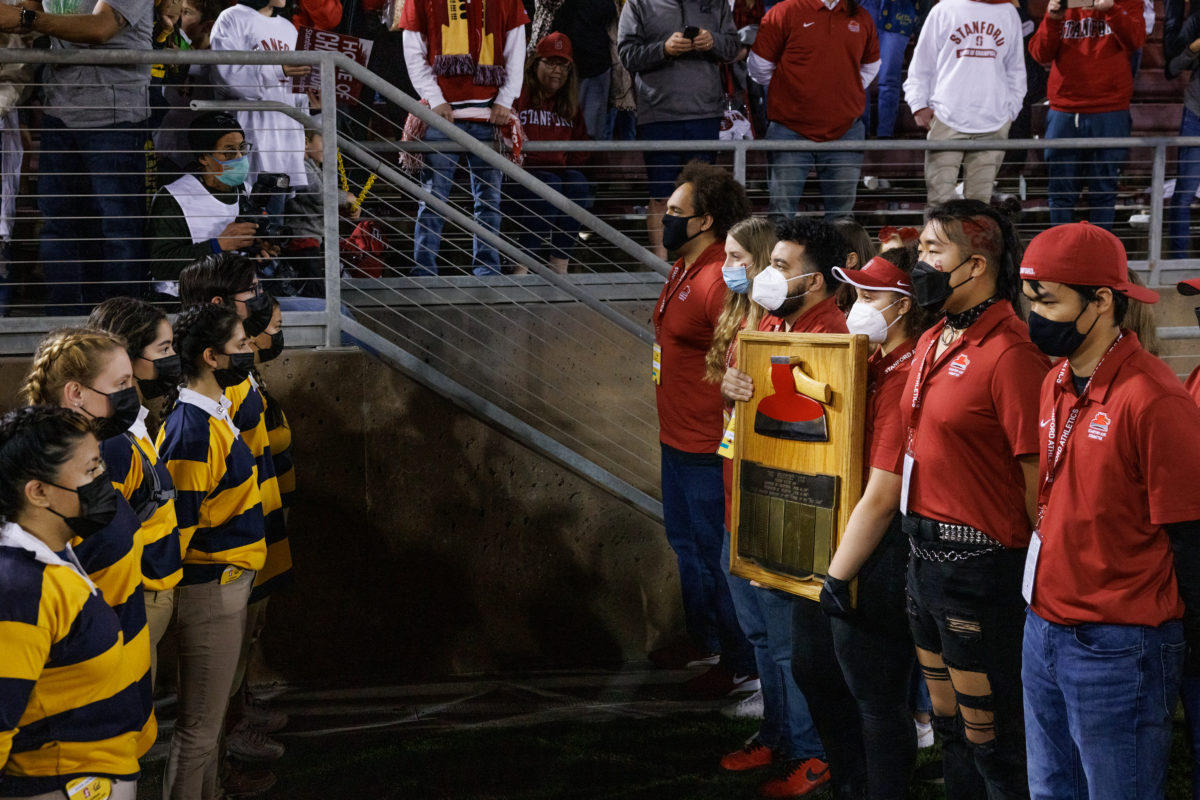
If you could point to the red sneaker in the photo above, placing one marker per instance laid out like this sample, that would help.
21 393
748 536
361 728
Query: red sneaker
753 755
802 778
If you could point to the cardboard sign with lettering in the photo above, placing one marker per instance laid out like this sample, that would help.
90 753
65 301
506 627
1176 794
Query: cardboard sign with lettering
327 41
798 455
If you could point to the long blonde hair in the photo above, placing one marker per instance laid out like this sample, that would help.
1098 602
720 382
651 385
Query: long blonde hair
757 235
1139 318
65 355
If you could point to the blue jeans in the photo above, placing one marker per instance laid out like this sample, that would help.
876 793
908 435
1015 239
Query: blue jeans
1070 169
593 103
1098 706
438 178
837 171
538 220
1179 216
765 616
92 194
664 166
693 497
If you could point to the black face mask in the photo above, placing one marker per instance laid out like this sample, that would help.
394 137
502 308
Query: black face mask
1058 339
238 370
258 314
271 353
675 233
97 506
931 286
123 406
167 372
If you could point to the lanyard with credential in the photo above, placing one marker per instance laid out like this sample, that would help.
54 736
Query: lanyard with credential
1056 441
673 284
918 389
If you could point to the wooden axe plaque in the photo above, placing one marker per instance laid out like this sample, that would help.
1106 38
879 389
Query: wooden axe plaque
798 455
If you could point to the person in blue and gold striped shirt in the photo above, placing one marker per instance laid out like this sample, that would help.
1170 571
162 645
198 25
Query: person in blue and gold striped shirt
87 370
133 462
70 701
219 508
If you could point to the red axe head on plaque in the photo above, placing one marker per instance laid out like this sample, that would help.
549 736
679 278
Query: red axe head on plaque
796 409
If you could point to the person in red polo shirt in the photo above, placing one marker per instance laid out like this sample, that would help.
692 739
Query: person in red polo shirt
871 638
818 57
1116 553
798 291
969 481
705 203
1190 288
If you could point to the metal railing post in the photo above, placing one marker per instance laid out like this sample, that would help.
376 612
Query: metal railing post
329 202
739 163
1158 179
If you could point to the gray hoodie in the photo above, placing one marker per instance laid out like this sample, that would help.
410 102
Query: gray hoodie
678 88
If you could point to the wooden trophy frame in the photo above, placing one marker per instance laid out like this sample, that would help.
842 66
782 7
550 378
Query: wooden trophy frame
797 455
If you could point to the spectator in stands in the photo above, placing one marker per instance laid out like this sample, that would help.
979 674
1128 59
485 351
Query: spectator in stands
895 23
1179 237
254 25
465 60
705 204
92 165
66 674
196 215
306 215
966 81
171 148
549 111
1091 83
861 250
818 60
674 51
14 83
586 23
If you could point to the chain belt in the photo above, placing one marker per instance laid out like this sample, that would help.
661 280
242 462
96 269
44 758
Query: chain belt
952 533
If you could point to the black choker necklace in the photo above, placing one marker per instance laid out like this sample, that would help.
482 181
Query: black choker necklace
965 319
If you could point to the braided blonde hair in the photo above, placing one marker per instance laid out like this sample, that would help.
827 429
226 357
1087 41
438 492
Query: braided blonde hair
65 355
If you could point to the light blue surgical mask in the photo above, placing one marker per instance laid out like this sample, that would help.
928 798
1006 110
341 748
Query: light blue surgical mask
735 279
234 171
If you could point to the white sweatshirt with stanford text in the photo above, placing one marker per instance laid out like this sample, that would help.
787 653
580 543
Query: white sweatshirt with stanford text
969 65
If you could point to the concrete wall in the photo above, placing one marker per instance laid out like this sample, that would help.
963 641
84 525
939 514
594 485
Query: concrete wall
426 544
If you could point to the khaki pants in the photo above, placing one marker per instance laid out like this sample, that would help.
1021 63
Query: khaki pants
121 790
210 623
159 608
256 617
979 167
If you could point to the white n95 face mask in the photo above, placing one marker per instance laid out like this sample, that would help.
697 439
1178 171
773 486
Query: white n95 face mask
869 321
770 289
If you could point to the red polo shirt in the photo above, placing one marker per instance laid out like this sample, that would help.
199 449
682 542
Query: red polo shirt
884 430
690 407
818 319
1193 384
816 89
977 415
1128 468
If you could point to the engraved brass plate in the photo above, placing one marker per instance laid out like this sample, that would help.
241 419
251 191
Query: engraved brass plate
787 520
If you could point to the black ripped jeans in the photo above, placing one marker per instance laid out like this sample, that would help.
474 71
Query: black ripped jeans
875 651
971 612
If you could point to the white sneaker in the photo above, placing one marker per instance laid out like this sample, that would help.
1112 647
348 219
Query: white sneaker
749 708
924 734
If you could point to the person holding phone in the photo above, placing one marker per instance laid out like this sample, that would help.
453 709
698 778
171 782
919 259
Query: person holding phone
675 51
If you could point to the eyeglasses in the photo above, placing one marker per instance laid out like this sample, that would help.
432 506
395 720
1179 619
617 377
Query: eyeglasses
231 153
557 65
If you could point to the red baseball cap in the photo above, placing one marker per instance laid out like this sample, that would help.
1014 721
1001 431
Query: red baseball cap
1189 287
878 275
1084 255
555 45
